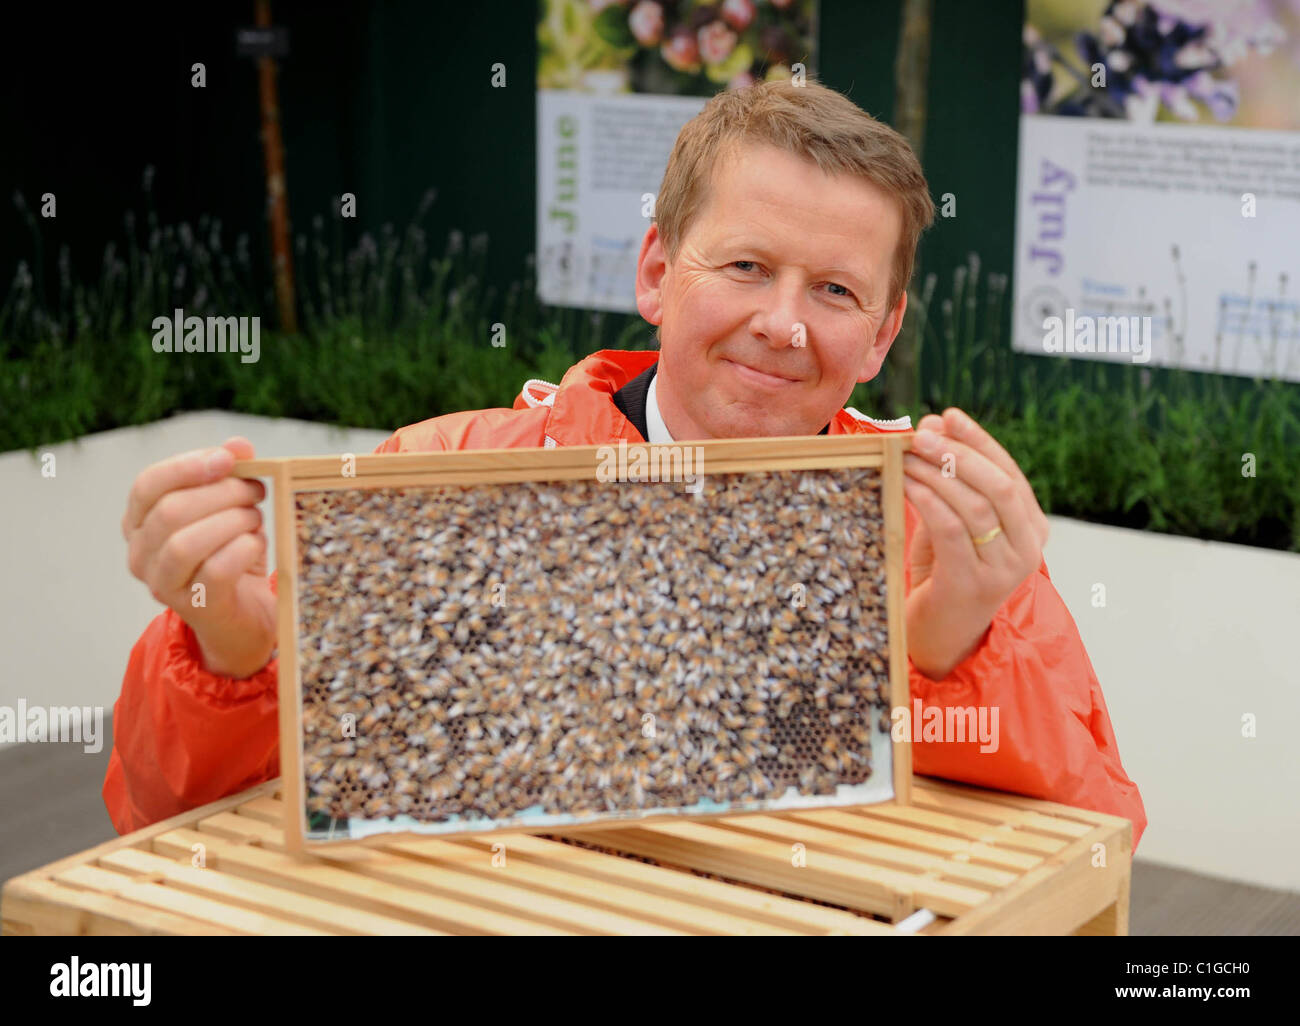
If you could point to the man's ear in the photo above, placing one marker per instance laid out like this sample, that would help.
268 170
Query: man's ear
651 266
885 335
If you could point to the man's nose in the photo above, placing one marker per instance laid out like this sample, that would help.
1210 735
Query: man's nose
780 319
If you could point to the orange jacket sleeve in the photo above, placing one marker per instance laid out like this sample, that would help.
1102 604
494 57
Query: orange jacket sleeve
183 737
1055 739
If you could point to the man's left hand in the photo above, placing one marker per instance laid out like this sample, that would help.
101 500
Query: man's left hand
981 533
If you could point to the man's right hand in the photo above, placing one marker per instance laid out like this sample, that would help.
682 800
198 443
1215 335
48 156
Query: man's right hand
188 522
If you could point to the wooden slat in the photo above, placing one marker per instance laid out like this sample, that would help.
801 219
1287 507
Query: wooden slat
988 812
146 892
758 453
34 906
1016 801
445 879
589 890
311 876
764 862
480 477
893 509
998 835
920 839
331 917
916 890
897 857
288 677
658 883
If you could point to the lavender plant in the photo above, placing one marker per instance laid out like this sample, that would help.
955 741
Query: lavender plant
393 332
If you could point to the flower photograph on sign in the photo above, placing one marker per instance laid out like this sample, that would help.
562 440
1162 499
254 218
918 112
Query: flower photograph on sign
673 47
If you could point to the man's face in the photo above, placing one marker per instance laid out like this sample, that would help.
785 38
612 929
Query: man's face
776 304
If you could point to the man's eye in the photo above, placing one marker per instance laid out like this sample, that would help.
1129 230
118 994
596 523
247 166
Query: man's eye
835 285
737 263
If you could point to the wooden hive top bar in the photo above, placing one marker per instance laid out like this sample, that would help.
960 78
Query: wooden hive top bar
564 462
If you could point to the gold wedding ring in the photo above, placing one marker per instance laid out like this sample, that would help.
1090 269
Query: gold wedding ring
987 536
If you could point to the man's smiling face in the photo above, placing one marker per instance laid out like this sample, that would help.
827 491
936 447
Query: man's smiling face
777 244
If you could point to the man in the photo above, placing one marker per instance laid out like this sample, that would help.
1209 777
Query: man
776 271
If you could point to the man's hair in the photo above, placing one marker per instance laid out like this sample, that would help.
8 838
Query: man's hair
810 121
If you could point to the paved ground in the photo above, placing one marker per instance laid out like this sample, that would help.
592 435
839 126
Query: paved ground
50 806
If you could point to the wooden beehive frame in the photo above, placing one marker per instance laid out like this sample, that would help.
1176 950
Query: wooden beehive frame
496 466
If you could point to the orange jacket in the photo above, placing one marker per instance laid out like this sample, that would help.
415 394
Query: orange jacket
184 737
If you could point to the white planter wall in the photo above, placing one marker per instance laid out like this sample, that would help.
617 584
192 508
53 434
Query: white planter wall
1193 635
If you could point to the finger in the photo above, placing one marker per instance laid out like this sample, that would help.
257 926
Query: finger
179 509
185 551
237 557
958 464
259 567
963 427
240 447
185 470
950 541
185 506
977 513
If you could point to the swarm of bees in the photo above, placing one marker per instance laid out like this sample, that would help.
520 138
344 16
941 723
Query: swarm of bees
540 648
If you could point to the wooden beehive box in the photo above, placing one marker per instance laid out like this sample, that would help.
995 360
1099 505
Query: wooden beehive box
979 862
583 636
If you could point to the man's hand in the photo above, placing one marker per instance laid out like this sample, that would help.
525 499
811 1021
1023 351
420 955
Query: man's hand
189 523
964 487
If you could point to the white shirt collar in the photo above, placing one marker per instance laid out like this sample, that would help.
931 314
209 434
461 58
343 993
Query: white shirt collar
654 421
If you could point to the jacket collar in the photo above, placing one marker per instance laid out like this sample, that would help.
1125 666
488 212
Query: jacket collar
583 411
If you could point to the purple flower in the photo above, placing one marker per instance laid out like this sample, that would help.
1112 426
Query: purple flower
1028 97
1169 53
1176 99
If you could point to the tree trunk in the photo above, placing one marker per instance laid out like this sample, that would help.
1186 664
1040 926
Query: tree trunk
277 202
911 76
